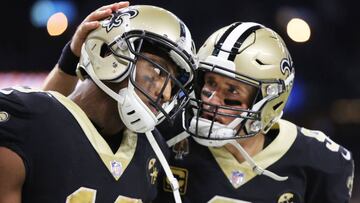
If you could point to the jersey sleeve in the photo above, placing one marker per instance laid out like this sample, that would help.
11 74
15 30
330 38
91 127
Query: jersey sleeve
13 122
330 169
21 111
333 187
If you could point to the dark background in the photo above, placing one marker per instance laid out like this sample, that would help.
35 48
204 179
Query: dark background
326 96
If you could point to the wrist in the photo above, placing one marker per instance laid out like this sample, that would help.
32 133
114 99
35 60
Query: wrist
68 60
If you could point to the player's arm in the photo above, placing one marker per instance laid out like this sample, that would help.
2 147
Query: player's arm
331 183
338 186
333 186
331 178
12 176
63 78
60 81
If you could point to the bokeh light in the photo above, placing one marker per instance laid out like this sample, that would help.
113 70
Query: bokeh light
298 30
57 24
42 10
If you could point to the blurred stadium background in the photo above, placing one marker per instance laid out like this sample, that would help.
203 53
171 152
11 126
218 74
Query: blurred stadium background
322 36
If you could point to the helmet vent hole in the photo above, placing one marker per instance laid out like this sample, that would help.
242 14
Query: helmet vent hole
105 51
135 121
259 62
131 112
277 105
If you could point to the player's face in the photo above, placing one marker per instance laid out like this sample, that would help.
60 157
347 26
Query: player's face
152 80
223 91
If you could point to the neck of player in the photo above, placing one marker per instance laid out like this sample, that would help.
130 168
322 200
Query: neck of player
252 146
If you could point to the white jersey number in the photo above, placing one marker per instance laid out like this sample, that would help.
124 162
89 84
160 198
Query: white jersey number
331 145
221 199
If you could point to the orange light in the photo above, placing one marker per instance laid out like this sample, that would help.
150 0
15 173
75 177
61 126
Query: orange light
57 24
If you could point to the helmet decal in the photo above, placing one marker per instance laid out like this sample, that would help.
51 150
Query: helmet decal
230 42
116 18
286 66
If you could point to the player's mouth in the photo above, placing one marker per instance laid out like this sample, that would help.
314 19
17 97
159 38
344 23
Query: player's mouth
153 108
210 116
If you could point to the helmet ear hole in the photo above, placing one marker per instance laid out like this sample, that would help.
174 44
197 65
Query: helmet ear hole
105 51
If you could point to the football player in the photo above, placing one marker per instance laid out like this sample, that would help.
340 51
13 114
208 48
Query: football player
240 150
137 69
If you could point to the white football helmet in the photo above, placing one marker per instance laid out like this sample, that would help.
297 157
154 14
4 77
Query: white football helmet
250 54
110 54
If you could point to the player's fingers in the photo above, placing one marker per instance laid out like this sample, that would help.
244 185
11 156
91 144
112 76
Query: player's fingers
115 6
81 34
91 22
85 28
105 11
98 15
120 5
89 26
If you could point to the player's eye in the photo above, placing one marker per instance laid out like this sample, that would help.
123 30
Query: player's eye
206 93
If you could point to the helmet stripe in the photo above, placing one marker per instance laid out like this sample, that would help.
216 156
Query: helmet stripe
223 38
240 41
234 39
185 34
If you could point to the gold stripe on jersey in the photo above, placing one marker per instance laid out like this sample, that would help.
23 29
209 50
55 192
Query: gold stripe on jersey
268 156
126 150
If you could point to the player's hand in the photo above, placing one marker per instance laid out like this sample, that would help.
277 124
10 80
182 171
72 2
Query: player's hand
91 22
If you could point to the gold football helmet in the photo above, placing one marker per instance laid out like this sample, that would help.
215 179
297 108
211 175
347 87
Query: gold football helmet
251 54
110 54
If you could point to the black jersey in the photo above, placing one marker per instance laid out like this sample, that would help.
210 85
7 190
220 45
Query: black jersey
66 159
318 171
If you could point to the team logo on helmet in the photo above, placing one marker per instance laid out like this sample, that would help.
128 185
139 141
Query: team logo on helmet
116 18
286 66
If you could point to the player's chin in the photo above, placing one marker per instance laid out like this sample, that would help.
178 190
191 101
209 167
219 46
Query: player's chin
149 105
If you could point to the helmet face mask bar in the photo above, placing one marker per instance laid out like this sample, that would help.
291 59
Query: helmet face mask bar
202 116
180 79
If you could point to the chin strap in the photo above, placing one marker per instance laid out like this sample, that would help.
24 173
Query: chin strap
257 169
87 67
173 181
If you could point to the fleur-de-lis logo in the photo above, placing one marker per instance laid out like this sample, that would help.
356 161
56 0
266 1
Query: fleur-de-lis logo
116 18
286 65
